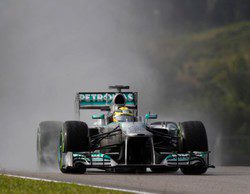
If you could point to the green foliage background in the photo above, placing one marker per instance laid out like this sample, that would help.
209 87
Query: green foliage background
211 72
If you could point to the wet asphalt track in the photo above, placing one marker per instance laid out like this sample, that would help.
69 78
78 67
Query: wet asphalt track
219 180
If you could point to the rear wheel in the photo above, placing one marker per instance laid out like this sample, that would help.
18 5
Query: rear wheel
74 137
47 140
194 138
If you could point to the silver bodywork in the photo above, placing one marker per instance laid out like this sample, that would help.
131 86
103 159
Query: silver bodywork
128 130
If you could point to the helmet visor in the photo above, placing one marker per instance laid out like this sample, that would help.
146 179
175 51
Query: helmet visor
124 118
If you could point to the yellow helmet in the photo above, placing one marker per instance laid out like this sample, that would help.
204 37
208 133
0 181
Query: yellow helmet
123 114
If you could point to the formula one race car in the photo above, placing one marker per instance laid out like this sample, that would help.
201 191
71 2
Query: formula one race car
122 141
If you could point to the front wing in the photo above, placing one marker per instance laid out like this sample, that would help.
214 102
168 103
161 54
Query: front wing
172 159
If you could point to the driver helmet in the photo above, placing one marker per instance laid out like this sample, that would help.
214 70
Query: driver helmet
123 114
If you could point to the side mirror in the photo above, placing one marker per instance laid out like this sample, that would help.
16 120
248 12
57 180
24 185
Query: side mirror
151 116
98 116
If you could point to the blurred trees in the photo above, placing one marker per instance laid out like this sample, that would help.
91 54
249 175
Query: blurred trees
222 12
200 53
210 72
207 13
216 67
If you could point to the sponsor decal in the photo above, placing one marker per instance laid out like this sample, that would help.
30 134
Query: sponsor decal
99 99
184 157
104 97
96 157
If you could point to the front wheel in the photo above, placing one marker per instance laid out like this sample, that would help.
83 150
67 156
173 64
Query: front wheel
74 137
194 138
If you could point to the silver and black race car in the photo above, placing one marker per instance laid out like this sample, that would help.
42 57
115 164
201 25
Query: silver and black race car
120 140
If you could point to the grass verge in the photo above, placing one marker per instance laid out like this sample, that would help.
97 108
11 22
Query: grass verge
20 185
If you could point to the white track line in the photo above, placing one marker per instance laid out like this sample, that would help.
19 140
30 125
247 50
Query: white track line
95 186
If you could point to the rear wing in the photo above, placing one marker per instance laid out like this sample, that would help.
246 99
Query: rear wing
103 100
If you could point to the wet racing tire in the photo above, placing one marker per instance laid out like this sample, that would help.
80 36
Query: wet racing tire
47 140
74 137
194 138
